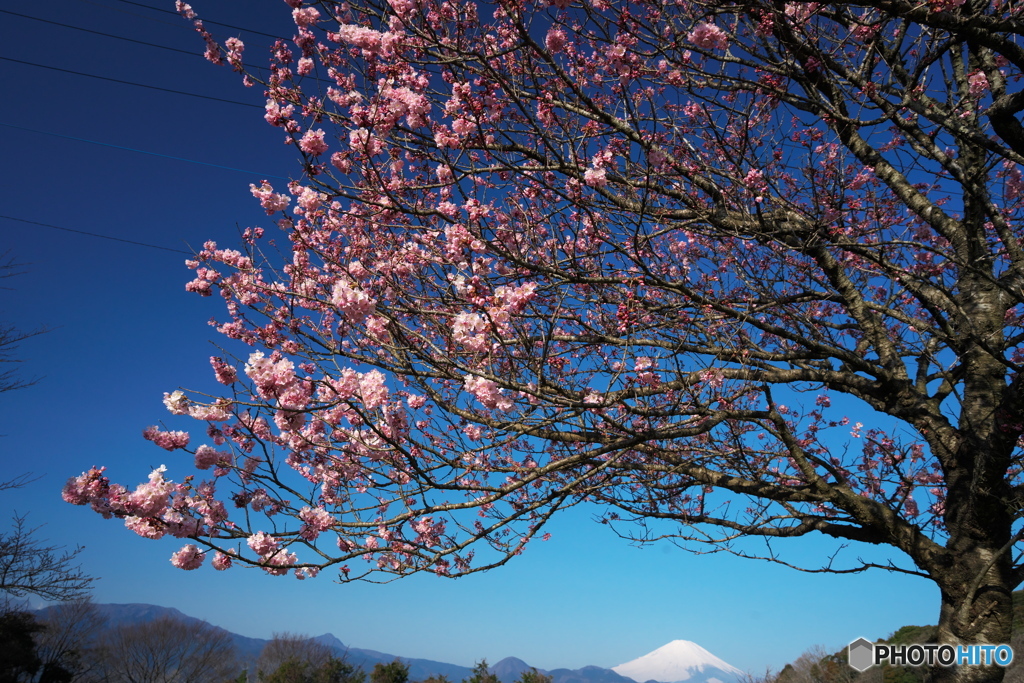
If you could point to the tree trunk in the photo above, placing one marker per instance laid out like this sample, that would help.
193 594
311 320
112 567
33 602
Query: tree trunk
975 617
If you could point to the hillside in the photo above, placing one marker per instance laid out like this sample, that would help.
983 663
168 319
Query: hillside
817 666
507 670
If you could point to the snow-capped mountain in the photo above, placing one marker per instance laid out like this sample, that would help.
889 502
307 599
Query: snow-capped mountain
680 660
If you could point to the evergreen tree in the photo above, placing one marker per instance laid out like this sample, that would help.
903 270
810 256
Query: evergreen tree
19 660
482 674
392 672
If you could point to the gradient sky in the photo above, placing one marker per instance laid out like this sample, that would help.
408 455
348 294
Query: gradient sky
123 331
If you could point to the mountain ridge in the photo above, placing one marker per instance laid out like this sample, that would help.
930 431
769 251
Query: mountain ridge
507 670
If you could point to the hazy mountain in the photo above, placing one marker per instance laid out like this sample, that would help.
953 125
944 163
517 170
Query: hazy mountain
419 669
588 674
680 660
663 665
510 669
134 613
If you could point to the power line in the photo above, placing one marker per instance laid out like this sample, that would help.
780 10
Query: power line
139 85
93 234
176 24
101 33
142 151
205 21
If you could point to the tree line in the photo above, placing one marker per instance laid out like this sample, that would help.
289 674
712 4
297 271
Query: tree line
73 643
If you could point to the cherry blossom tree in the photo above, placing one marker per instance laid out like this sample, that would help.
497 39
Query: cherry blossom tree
721 271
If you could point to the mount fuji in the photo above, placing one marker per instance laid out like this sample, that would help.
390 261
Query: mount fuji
680 660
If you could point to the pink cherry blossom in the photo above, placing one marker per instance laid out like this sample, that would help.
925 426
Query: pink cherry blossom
800 12
263 543
277 115
177 403
225 373
316 521
312 142
167 440
184 9
221 561
708 37
188 558
373 390
360 36
86 487
207 457
271 201
412 105
354 303
150 499
306 17
595 177
615 251
147 527
234 55
272 375
514 299
364 142
555 40
487 392
978 83
470 330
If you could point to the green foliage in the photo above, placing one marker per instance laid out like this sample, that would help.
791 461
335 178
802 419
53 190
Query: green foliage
481 674
334 670
834 668
436 678
19 660
908 635
533 676
392 672
903 674
337 670
292 670
787 675
1018 612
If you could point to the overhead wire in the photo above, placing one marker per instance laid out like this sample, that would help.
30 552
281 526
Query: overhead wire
101 33
180 24
142 151
138 85
96 234
205 21
132 83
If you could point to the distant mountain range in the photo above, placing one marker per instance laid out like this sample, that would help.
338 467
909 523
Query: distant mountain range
679 661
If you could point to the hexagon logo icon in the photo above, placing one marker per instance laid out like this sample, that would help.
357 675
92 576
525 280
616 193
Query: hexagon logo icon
861 654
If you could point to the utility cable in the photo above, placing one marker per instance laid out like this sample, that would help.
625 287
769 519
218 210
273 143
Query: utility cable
101 33
205 21
177 24
94 234
139 85
142 151
182 23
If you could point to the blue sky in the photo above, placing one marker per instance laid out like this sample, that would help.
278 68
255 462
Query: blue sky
123 331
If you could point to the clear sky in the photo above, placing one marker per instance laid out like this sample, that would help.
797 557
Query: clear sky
123 331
